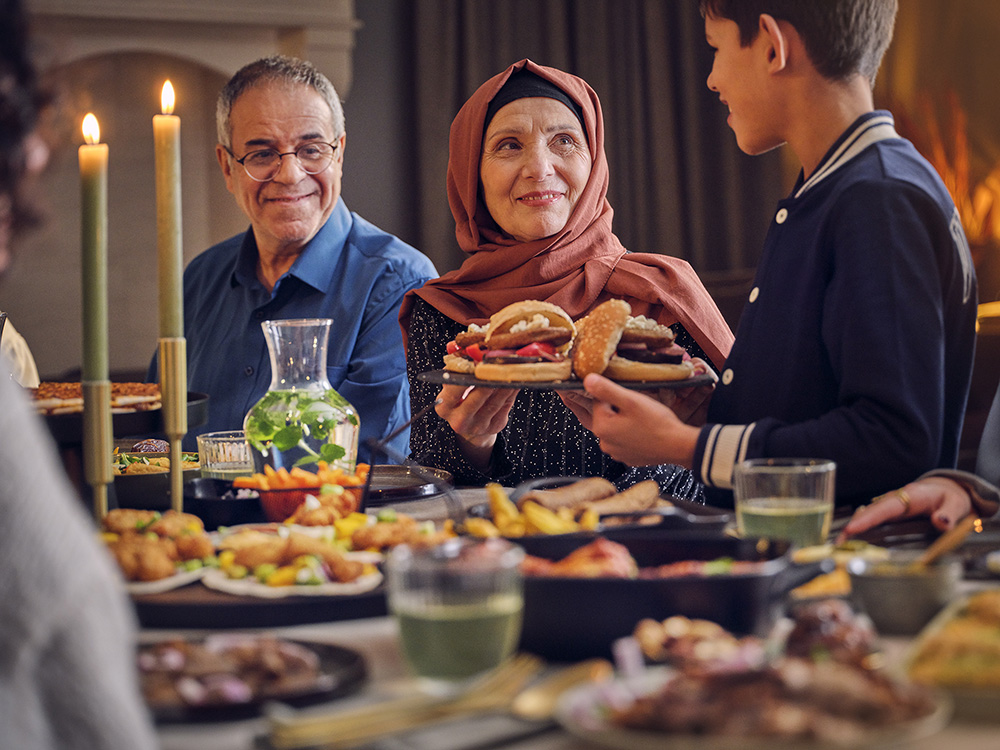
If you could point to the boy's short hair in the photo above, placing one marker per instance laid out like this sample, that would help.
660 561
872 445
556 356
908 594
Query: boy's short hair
842 37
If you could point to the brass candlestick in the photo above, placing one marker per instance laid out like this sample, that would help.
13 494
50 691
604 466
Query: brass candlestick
97 443
173 393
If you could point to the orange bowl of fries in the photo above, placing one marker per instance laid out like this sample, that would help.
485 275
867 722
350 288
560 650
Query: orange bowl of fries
282 491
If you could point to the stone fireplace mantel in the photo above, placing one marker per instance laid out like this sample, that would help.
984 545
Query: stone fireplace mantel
221 35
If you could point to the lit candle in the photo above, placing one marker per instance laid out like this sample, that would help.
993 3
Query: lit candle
94 222
167 142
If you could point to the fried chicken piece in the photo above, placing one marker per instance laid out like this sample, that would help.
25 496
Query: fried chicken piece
385 534
143 557
340 567
256 548
601 558
173 524
327 507
125 520
194 546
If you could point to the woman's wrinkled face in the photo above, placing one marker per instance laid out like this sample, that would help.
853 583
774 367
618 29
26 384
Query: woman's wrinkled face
535 164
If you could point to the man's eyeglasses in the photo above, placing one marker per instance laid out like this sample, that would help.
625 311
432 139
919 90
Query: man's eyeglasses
264 164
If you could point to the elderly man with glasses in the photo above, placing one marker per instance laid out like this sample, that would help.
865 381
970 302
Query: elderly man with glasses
281 150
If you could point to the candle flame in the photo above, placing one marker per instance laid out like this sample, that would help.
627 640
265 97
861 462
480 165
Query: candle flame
167 98
91 129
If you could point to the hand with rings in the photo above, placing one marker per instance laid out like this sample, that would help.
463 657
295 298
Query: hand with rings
943 499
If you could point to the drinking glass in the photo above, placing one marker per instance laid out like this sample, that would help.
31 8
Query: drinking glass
789 499
225 455
459 607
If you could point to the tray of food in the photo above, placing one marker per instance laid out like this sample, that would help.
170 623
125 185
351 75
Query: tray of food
231 676
581 508
808 685
580 594
135 409
959 652
535 344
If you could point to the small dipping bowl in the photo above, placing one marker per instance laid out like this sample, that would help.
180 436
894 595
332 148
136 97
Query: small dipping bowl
217 504
901 598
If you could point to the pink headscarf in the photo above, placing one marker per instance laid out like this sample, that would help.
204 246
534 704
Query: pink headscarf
578 267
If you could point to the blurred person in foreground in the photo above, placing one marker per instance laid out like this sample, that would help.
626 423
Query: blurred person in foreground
527 184
856 342
281 150
68 675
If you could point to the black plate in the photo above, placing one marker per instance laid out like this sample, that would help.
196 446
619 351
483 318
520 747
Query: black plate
67 429
392 483
567 619
447 377
342 672
196 606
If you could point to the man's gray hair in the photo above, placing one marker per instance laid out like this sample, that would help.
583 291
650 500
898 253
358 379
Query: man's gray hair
276 68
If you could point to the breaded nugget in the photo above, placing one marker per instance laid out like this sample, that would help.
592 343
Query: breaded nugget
340 567
194 546
384 533
173 524
124 520
144 557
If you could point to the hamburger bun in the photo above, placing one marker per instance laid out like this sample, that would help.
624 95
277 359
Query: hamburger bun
528 341
613 343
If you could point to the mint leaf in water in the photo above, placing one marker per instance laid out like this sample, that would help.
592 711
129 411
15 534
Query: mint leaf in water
330 452
287 438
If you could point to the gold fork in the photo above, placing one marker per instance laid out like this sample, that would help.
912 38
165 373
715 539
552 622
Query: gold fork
493 691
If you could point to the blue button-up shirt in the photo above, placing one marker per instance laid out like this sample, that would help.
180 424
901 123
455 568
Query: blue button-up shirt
352 272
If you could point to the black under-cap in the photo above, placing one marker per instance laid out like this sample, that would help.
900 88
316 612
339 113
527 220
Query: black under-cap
523 84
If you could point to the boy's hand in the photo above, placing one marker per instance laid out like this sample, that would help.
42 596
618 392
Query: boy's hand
690 404
636 429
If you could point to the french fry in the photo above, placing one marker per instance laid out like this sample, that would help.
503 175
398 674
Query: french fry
546 521
501 507
481 527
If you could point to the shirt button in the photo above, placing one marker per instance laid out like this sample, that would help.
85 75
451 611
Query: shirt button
781 216
248 370
754 293
727 376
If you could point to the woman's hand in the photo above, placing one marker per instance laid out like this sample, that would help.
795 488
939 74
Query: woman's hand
636 429
946 502
476 415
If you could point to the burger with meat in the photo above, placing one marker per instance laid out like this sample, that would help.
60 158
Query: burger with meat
613 343
466 350
527 341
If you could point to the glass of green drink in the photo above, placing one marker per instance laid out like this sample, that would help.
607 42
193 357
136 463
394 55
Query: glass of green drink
790 499
458 606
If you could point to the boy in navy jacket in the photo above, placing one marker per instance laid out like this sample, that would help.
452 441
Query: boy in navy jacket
857 339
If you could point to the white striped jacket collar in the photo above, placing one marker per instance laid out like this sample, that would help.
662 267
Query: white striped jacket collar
871 130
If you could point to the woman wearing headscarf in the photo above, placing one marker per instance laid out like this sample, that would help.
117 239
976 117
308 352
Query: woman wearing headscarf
527 184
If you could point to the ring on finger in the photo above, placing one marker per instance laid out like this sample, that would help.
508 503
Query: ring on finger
904 498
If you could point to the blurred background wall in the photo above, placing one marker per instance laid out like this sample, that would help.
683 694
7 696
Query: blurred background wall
381 54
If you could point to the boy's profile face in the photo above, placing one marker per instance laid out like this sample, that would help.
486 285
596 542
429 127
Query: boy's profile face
740 77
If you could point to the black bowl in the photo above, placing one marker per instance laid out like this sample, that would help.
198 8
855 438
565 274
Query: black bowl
215 502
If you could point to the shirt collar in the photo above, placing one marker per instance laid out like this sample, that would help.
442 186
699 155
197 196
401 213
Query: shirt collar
866 130
317 261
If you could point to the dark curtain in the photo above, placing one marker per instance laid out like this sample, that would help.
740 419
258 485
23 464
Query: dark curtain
679 184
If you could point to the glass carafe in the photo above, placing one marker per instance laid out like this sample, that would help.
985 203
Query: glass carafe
301 419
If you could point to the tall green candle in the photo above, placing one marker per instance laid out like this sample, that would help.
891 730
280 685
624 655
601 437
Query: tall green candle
94 222
167 143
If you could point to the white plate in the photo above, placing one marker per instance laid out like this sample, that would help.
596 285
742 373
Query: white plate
219 581
165 584
583 712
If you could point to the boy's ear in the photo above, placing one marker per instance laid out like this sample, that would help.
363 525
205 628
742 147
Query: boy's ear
777 43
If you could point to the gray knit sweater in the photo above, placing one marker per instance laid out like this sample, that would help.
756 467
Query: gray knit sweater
67 664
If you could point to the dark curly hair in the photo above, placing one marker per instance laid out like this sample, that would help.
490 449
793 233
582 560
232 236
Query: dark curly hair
21 100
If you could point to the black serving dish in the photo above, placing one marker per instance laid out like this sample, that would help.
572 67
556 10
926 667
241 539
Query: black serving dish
392 483
67 429
567 619
215 502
